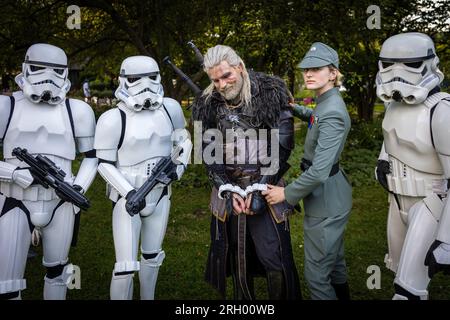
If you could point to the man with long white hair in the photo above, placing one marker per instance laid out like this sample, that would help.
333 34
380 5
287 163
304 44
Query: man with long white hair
248 237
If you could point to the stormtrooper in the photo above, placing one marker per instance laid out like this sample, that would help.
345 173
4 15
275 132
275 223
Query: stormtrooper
130 140
414 163
41 119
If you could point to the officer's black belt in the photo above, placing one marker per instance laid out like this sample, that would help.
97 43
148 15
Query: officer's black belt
305 164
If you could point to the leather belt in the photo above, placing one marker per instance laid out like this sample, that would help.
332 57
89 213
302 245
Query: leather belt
305 164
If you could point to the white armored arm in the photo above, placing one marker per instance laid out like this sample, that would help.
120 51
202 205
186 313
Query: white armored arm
114 178
441 134
107 139
86 173
180 135
9 172
181 138
84 126
5 110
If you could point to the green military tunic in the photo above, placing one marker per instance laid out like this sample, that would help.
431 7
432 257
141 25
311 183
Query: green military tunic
327 198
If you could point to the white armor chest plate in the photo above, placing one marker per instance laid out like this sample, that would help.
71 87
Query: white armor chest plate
147 135
40 128
407 137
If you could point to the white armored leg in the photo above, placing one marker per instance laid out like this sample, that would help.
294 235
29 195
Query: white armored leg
153 231
56 239
57 235
121 286
15 237
55 288
412 274
396 228
126 236
148 274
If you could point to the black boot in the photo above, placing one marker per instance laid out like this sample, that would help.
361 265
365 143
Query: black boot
399 290
342 291
275 285
238 293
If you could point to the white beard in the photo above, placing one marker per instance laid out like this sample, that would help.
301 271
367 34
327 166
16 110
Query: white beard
230 92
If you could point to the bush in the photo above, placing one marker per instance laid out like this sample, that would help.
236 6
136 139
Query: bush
364 135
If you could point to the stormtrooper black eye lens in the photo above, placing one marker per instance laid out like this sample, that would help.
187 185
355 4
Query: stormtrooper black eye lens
154 77
34 68
414 65
386 64
131 80
59 71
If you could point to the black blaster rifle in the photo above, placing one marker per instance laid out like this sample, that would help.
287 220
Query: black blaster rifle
47 174
159 175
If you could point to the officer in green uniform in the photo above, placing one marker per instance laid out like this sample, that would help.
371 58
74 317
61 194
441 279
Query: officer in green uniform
323 186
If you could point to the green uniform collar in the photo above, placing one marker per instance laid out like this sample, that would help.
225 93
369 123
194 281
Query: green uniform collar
327 94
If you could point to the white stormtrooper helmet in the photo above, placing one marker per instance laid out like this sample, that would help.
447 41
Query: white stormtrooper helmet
140 83
44 74
408 68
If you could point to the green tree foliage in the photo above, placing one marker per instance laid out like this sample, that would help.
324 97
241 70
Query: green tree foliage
271 36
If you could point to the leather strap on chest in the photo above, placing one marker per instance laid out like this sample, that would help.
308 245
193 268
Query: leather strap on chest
69 112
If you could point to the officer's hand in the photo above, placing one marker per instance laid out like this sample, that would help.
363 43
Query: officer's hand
383 169
238 204
274 194
438 258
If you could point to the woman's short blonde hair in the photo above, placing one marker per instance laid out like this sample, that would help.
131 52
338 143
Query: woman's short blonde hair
339 76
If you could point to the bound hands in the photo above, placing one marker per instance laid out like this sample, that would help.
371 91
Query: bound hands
241 205
273 195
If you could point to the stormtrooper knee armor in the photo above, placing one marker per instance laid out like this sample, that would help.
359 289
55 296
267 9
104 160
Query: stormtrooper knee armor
414 164
41 119
150 127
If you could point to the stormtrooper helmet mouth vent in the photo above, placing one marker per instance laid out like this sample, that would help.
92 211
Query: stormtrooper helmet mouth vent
46 96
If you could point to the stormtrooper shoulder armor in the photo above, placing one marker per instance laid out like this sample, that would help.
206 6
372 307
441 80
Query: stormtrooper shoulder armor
5 110
441 128
175 112
83 118
108 132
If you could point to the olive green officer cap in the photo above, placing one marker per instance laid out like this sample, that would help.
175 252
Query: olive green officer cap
319 55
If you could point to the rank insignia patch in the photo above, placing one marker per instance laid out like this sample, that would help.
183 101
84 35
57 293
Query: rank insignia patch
312 120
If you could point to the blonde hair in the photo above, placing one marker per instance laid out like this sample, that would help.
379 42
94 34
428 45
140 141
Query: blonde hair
339 76
214 56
